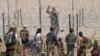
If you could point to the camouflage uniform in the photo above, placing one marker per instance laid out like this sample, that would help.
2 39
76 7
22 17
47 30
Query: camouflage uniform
54 20
50 49
38 51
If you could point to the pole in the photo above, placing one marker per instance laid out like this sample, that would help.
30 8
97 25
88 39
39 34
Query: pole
18 17
72 14
77 24
82 17
8 14
73 22
16 14
3 24
21 17
69 21
40 13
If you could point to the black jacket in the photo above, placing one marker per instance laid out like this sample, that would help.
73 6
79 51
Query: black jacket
51 38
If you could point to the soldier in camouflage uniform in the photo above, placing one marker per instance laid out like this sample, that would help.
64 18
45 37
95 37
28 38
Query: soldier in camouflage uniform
54 18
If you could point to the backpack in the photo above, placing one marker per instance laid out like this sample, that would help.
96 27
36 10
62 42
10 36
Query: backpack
87 42
10 39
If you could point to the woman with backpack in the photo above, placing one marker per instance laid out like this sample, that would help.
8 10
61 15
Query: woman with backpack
10 41
39 41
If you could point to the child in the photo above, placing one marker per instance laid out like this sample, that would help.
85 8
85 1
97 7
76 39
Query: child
94 51
60 47
32 46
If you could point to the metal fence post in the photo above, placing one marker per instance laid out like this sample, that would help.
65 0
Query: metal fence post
40 13
21 17
82 17
69 21
77 24
3 24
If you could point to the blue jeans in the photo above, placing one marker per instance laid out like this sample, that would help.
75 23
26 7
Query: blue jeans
70 50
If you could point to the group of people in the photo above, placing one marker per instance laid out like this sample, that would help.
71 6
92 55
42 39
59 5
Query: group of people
81 43
13 45
51 45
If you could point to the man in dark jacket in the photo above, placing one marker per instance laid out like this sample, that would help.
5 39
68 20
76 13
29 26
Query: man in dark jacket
70 41
51 41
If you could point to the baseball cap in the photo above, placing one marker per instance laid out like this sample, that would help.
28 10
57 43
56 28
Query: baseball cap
24 25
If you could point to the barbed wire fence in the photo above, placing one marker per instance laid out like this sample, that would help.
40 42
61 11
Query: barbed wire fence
32 21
